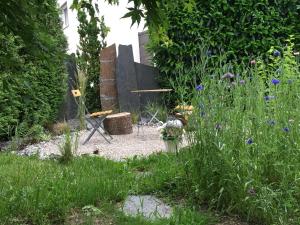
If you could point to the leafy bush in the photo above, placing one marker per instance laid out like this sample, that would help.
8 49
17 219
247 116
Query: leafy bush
245 157
32 71
241 29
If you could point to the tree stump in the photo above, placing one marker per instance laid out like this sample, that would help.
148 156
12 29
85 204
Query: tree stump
117 124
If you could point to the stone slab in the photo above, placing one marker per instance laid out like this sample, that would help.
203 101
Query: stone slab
126 80
147 206
147 80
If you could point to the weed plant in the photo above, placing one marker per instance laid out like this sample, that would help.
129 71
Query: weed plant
69 147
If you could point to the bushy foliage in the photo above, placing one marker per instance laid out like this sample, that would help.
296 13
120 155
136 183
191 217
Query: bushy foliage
241 29
32 71
245 154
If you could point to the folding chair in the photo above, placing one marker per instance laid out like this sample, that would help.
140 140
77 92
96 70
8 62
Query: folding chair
95 119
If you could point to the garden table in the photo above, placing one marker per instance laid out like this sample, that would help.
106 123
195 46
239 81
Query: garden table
153 116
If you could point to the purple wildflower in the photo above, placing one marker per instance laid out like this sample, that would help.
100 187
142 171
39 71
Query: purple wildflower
271 122
275 81
228 76
218 126
242 82
250 141
269 97
286 129
276 53
200 87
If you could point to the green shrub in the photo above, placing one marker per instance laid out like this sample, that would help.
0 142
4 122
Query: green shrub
245 158
32 70
240 29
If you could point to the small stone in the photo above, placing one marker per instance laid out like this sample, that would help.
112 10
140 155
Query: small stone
96 152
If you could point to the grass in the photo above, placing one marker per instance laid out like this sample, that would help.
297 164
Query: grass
47 192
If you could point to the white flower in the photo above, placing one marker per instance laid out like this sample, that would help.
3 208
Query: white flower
92 84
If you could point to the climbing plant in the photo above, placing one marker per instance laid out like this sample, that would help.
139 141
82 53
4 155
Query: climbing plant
92 33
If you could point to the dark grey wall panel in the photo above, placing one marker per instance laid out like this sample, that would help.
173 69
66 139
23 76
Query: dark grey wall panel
146 77
127 80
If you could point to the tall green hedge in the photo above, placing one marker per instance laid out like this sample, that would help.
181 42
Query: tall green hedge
242 29
32 70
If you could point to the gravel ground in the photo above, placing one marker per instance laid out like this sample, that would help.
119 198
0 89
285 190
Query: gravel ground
148 141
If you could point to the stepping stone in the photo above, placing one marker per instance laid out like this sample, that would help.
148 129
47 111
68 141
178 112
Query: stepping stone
147 206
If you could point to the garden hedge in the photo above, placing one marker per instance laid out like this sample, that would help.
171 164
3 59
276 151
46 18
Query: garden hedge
243 29
32 70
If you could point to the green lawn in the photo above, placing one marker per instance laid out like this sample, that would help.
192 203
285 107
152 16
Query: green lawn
46 192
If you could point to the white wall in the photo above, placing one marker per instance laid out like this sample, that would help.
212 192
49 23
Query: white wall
121 31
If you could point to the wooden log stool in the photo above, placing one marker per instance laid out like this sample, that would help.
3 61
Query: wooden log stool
117 124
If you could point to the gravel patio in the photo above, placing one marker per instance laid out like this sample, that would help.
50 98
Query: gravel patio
148 141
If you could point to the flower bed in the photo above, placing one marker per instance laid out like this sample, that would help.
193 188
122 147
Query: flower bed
246 151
